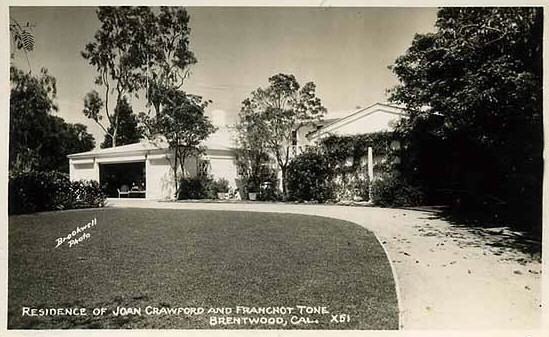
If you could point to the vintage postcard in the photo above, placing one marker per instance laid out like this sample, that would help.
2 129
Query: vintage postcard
274 169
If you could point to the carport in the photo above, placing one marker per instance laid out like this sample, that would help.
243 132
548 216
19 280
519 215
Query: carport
126 180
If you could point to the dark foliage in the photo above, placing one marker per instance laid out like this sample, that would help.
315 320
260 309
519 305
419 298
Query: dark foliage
38 140
309 177
87 194
269 190
48 191
395 191
340 149
337 168
128 131
473 91
195 188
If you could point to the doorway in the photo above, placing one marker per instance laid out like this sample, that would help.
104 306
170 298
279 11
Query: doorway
123 180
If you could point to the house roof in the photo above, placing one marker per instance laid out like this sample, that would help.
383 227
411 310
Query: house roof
336 123
144 146
141 147
325 122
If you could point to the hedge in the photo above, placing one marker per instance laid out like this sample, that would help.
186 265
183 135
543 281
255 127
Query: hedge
395 191
49 191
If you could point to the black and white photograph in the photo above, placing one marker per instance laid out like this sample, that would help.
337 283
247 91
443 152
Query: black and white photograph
192 167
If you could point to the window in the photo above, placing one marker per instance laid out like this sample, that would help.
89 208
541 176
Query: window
203 168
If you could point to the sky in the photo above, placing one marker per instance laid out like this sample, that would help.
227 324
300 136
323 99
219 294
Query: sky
344 51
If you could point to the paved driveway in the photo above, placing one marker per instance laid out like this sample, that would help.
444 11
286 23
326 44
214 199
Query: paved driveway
448 277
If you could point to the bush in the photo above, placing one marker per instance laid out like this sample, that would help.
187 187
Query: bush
351 188
195 188
395 191
87 194
308 178
269 191
264 185
47 191
219 186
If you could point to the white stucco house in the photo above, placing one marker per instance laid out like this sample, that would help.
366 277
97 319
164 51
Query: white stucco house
373 118
146 165
376 117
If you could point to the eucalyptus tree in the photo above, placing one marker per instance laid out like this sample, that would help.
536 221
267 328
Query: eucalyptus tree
251 152
136 50
173 113
183 124
278 111
119 54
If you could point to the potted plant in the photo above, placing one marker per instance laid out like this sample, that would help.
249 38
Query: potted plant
220 187
252 188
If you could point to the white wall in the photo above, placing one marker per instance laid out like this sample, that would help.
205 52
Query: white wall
224 167
159 181
85 170
375 122
159 173
302 133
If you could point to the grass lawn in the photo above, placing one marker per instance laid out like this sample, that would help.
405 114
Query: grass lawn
144 258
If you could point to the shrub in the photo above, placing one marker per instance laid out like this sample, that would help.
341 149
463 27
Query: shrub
269 191
219 186
264 185
395 191
355 187
309 178
195 188
87 194
361 188
46 191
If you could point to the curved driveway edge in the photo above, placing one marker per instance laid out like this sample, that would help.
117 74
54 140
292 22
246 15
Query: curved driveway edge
449 277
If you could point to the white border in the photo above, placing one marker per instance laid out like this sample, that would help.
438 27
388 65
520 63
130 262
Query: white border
4 138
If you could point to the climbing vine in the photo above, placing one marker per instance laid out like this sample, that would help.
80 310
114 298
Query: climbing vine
344 166
347 154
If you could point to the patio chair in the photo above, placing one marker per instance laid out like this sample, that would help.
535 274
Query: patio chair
123 190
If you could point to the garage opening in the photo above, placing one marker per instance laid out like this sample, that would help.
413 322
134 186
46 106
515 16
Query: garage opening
123 180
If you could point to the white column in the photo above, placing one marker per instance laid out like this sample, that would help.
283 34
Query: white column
71 170
95 169
148 182
370 170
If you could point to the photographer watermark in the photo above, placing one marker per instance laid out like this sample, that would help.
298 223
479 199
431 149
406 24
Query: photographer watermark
76 236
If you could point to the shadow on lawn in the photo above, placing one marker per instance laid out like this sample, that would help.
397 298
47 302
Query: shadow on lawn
497 233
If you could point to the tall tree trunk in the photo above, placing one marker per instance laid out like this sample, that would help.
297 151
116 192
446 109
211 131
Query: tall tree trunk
113 136
174 167
284 171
